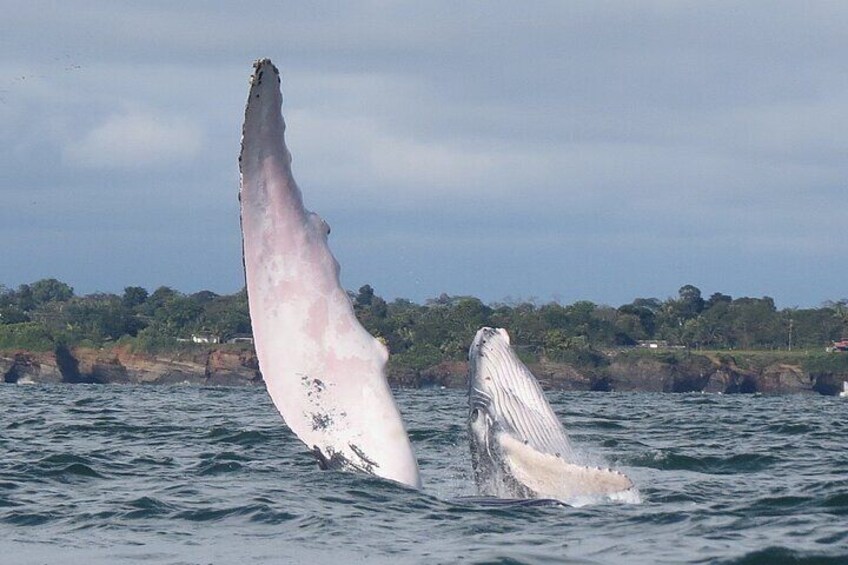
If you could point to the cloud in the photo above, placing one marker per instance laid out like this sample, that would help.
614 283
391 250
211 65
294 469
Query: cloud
135 140
601 150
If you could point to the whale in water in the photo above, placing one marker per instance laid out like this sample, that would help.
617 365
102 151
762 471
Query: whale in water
519 448
324 372
327 375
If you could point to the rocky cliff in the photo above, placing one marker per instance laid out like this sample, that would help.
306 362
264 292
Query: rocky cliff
234 366
212 367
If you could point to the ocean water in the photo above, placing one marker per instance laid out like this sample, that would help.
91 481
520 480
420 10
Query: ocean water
184 475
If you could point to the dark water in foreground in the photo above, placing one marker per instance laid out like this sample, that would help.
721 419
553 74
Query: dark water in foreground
113 474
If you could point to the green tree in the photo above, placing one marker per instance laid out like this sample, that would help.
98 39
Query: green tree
364 297
403 317
574 350
50 290
525 323
815 327
28 335
689 302
11 314
134 296
465 315
755 323
227 315
639 320
840 312
100 318
159 298
372 312
24 298
203 297
717 298
179 316
712 329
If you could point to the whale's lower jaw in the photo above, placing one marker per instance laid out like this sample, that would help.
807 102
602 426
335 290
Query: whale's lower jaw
508 468
541 475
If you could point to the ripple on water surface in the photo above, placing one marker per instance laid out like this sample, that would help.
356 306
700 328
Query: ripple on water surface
189 475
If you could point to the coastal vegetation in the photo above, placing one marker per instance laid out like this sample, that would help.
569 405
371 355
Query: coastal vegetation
47 314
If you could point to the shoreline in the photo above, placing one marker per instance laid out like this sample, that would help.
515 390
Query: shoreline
628 371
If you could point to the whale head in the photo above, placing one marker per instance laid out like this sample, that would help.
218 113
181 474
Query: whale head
519 448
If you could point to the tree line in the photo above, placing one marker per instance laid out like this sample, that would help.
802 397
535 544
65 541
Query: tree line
47 313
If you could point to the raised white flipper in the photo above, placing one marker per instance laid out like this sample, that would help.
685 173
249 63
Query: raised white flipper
323 370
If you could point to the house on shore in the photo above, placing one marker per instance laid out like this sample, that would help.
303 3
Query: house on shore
841 345
652 343
205 337
240 338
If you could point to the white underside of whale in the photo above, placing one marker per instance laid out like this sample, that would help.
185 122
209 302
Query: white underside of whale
324 372
550 476
519 446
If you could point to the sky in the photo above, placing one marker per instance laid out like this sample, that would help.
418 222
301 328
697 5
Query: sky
553 151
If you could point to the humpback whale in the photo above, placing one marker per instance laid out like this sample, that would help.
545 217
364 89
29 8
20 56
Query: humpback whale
324 372
519 448
327 375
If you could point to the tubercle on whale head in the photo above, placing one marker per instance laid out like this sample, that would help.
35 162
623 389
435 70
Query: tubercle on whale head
487 335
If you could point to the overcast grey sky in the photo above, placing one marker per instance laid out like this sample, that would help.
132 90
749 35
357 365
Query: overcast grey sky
558 150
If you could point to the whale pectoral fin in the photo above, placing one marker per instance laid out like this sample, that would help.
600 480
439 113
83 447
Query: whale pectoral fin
324 372
550 476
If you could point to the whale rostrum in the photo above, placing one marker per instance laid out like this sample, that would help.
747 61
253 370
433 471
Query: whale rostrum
324 372
519 448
